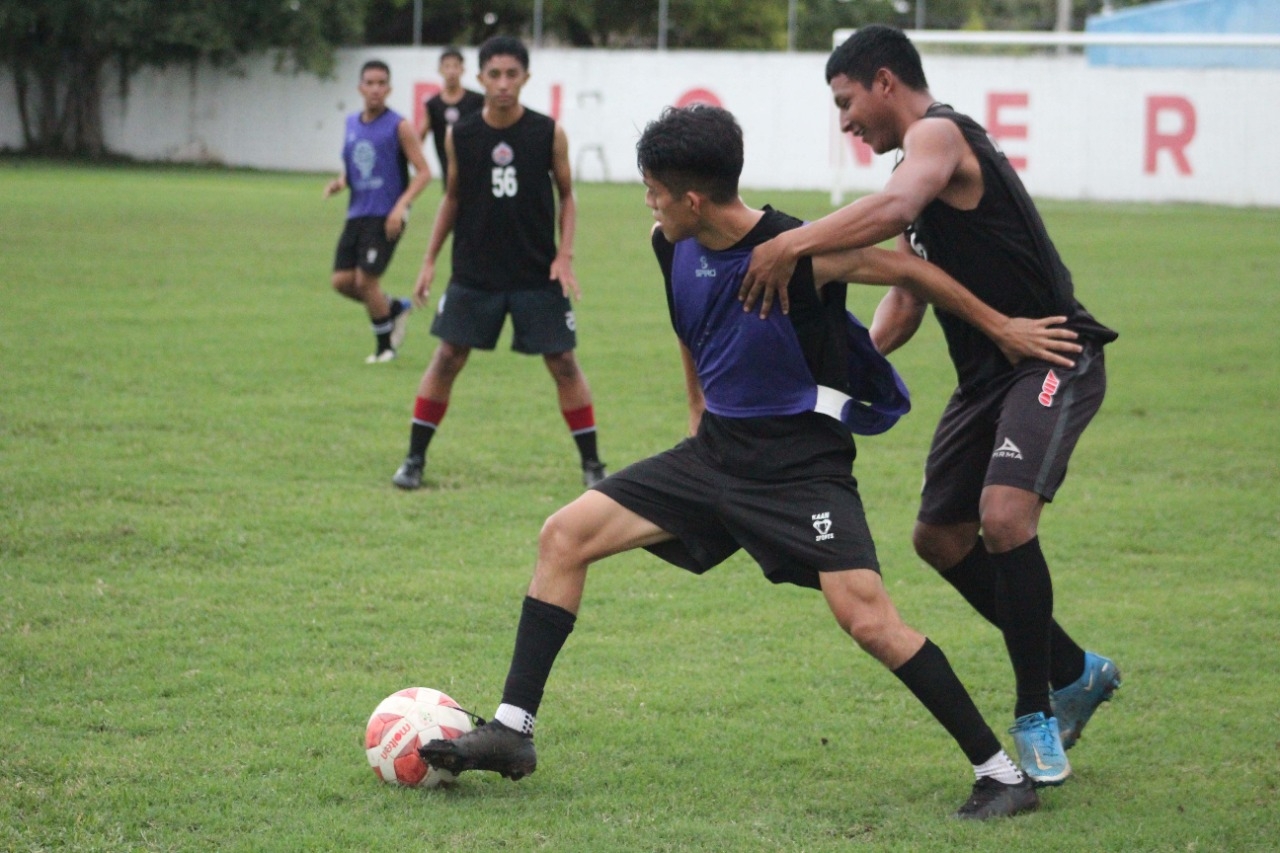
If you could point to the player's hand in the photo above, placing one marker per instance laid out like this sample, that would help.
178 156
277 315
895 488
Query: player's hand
771 268
395 223
422 289
334 186
1041 338
562 271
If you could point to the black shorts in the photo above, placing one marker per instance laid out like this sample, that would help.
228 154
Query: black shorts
542 319
1019 434
364 244
793 528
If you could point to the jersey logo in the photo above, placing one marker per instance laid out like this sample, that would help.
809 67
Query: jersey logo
365 157
1008 450
822 524
916 245
451 115
1048 389
704 271
503 154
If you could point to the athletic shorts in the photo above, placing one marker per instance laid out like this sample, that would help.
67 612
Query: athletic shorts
542 319
364 244
1019 434
794 529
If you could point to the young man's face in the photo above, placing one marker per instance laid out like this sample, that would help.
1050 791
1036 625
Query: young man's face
375 85
674 214
502 78
863 112
451 71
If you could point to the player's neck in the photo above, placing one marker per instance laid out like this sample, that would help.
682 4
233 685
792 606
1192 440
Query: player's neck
452 94
724 226
502 117
371 113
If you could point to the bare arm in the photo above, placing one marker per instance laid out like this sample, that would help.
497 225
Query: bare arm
337 185
932 151
562 265
1017 338
426 125
412 148
446 217
693 390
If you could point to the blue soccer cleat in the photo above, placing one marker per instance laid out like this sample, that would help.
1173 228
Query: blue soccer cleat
1040 751
1074 704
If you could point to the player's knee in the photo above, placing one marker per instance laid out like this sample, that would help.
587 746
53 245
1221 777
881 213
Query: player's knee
563 367
560 542
1005 527
931 546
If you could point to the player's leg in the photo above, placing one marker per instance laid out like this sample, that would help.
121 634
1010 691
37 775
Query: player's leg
862 607
590 528
387 315
429 407
544 324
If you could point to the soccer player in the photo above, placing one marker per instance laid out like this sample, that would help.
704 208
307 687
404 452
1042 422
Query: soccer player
506 165
1001 448
768 467
451 103
378 147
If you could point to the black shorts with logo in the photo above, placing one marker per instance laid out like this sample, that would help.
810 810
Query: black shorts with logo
1020 432
542 319
364 244
794 528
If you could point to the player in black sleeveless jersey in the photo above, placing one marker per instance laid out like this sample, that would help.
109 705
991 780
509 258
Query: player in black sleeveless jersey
451 103
1001 449
507 165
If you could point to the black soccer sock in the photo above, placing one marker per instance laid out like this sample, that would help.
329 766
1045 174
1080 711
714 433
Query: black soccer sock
929 676
542 632
974 577
1024 599
427 415
582 425
420 436
586 442
382 331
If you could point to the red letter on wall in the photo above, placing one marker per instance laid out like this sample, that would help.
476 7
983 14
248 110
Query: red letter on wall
862 152
423 92
1175 142
996 101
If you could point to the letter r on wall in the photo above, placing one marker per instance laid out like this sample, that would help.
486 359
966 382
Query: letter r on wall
1173 141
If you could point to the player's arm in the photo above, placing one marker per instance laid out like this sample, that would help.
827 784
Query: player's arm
412 148
562 265
337 185
446 217
426 125
1017 337
693 390
932 151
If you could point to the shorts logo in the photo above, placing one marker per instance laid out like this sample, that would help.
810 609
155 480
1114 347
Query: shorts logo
440 304
503 154
1008 450
570 321
704 271
371 256
822 524
1048 389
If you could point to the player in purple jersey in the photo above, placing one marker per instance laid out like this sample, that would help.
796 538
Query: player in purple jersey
766 470
1001 449
379 145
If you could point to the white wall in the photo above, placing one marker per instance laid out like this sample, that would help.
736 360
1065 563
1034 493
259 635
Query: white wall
1084 132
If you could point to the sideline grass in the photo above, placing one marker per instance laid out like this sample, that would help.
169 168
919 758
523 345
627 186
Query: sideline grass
207 582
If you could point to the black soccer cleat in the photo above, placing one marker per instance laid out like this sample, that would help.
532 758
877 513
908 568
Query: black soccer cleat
491 746
593 473
409 474
993 798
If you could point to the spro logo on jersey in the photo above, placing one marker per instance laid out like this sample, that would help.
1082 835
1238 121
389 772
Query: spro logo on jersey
704 271
1008 450
503 154
822 524
1048 389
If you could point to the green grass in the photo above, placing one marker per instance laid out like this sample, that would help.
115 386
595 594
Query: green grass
207 582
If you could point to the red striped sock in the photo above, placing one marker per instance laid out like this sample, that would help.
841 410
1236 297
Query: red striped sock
580 420
429 412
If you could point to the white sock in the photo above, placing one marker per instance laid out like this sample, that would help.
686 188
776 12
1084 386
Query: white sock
516 718
1001 767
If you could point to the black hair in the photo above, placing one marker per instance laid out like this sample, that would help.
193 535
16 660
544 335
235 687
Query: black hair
377 65
871 48
695 148
504 46
451 51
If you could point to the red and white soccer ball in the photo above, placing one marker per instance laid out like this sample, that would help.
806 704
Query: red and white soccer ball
404 721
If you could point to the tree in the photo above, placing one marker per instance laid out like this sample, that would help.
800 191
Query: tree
59 51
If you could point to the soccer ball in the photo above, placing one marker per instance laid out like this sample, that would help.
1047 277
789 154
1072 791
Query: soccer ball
400 724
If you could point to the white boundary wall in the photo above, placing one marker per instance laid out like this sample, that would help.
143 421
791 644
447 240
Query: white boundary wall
1074 131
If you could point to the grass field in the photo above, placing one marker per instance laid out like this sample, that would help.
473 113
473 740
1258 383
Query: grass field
207 581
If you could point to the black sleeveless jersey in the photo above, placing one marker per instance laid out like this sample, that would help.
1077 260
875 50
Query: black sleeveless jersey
443 116
1001 252
504 236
